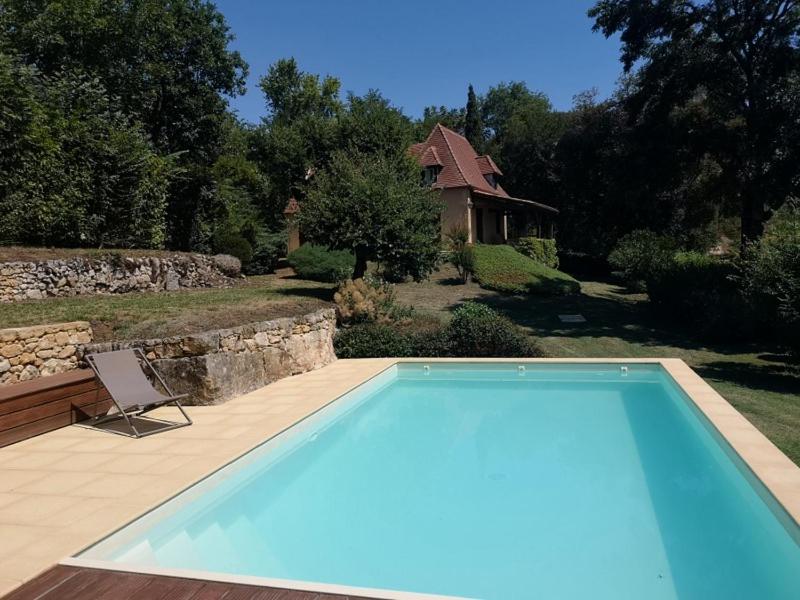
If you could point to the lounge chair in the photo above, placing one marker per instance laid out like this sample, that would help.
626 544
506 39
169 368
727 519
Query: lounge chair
132 393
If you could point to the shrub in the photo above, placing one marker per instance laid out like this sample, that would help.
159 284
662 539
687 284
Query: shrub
639 254
226 242
504 269
461 254
771 276
474 331
540 250
229 265
269 250
320 264
701 292
478 331
372 340
358 301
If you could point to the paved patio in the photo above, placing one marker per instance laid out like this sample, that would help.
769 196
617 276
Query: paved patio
63 490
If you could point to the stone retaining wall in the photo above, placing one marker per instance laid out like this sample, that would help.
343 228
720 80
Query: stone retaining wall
113 274
215 366
30 352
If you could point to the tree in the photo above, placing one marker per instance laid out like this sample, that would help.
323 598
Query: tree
505 99
165 65
292 94
615 175
370 124
452 118
374 206
74 171
741 60
300 132
473 125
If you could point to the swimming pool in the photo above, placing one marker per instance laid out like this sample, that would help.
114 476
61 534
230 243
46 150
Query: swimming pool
495 481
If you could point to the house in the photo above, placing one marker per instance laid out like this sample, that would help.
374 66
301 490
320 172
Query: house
473 196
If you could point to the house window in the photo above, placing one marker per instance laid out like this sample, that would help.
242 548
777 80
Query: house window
429 175
491 180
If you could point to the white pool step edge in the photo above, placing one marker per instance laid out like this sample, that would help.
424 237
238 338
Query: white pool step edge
289 584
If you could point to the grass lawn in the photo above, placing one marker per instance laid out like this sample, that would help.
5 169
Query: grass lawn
756 380
146 315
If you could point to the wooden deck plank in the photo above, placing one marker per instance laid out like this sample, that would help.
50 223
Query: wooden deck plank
43 584
212 591
77 583
156 589
186 591
123 585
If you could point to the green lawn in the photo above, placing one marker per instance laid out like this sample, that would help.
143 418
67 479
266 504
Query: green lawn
756 380
127 316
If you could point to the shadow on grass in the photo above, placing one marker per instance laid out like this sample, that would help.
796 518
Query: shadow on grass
771 377
319 293
610 312
450 281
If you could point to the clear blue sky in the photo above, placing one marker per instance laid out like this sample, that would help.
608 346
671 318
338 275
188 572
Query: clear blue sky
419 53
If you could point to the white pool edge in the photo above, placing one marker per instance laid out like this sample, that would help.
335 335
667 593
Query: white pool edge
287 584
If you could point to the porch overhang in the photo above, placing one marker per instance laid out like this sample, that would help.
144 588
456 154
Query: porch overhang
518 202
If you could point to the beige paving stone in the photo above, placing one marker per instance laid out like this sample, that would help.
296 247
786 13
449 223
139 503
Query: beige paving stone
130 463
75 511
115 485
34 509
58 483
10 480
10 453
6 585
83 461
168 464
17 536
22 567
33 460
6 498
44 443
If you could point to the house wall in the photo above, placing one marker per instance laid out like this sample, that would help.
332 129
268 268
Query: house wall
456 210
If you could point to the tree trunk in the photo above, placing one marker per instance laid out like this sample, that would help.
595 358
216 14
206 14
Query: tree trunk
360 268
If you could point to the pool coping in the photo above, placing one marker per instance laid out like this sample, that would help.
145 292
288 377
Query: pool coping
779 475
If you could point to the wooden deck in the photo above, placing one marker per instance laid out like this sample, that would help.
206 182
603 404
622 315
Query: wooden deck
72 583
33 407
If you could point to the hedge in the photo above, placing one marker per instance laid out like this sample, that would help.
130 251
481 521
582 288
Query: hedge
474 331
320 264
701 292
540 250
503 269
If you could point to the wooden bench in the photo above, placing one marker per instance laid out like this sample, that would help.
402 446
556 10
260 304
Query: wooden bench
33 407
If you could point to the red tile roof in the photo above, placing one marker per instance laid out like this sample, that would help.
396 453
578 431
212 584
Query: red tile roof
461 165
487 165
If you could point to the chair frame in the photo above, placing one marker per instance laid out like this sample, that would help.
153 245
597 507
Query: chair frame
139 411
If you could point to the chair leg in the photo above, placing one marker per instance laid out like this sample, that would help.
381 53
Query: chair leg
183 412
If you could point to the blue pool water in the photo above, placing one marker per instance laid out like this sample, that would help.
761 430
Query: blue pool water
571 481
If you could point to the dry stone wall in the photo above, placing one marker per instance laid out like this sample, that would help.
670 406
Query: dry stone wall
113 274
214 366
30 352
211 367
